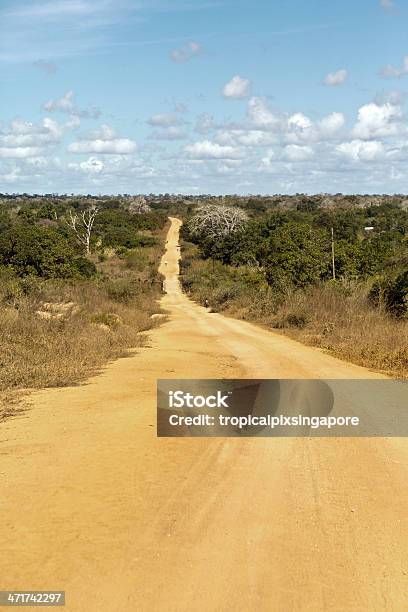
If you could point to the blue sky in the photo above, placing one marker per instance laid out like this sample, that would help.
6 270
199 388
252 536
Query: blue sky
203 96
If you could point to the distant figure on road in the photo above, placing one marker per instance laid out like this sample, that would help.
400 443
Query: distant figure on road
165 263
206 303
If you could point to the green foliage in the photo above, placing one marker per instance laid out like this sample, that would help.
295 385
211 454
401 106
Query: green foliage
393 293
398 295
84 267
119 228
374 253
14 288
46 211
37 251
121 290
5 221
292 246
296 255
33 251
26 214
307 205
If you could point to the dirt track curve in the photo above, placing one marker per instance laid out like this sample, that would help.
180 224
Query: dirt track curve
94 503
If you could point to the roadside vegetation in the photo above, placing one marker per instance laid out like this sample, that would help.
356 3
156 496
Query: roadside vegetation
65 312
277 269
79 280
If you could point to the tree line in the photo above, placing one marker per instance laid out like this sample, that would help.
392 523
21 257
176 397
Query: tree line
309 245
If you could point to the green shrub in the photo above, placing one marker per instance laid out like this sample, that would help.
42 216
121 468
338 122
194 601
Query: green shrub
84 267
37 251
121 290
296 255
393 293
398 295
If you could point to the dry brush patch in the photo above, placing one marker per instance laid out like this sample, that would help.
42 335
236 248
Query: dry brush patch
58 332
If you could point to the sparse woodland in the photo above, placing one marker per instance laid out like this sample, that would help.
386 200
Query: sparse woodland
73 298
331 275
79 278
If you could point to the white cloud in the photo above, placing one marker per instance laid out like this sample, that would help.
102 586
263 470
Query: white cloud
389 71
336 78
170 126
45 132
377 121
104 132
164 120
298 153
117 146
260 115
299 121
11 177
237 88
204 123
170 133
206 149
360 150
247 138
23 139
186 53
73 123
268 159
104 141
266 148
19 152
53 128
301 129
66 104
395 97
332 123
92 165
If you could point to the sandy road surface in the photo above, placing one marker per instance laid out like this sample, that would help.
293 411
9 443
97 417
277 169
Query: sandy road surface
93 503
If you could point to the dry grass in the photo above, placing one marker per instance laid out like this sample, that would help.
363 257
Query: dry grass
340 319
56 333
336 317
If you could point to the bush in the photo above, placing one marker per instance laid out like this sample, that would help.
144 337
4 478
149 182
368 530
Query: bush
84 267
393 293
15 289
294 320
398 295
296 255
121 290
37 251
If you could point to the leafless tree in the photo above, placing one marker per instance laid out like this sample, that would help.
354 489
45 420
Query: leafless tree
216 221
139 206
81 224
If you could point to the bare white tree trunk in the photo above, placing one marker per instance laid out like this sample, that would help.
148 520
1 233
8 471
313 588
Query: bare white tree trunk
82 225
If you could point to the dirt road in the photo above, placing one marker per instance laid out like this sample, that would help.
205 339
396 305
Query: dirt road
94 503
